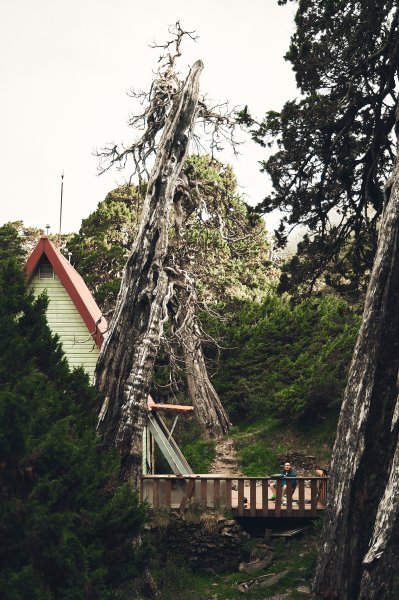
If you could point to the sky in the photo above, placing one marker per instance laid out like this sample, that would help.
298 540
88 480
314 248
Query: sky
66 67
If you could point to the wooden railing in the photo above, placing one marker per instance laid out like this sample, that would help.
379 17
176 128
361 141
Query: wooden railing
242 496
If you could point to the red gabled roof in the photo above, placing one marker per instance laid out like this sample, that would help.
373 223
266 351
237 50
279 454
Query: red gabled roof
74 285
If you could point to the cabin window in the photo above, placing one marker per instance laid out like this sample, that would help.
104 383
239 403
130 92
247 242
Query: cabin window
46 271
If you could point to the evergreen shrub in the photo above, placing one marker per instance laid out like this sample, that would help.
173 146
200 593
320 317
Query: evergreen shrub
283 359
67 523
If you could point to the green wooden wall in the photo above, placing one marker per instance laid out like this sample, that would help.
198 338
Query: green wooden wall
65 320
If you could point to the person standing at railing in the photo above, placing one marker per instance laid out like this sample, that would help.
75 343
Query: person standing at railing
288 472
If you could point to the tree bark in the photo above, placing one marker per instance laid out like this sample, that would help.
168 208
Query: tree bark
207 406
126 362
357 557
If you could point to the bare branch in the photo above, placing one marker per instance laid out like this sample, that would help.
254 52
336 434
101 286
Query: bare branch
218 123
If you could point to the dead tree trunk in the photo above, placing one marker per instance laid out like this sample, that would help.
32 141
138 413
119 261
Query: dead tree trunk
208 408
357 556
126 362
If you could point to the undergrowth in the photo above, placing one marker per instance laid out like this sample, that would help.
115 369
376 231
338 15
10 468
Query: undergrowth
260 444
295 558
199 454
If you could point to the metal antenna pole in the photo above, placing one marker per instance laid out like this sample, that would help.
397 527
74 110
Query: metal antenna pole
62 192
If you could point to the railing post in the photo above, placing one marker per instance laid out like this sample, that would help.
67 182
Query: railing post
289 492
155 493
204 493
301 497
240 501
265 497
252 497
323 491
279 494
188 492
313 497
227 501
168 493
216 493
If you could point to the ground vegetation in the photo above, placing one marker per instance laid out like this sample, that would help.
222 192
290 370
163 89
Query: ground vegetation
283 359
67 523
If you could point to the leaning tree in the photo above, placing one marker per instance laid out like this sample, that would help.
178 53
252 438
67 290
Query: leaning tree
219 249
153 282
358 550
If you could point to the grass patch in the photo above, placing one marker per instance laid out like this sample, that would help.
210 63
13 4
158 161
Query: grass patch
320 437
260 443
177 582
199 454
258 461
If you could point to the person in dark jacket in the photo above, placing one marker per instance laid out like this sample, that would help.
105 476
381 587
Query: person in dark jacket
288 472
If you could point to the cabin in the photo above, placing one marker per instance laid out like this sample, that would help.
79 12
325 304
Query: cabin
72 312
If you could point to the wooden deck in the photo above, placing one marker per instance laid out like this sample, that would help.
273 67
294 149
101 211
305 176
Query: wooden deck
241 496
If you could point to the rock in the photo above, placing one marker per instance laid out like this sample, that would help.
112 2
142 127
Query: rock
267 536
211 542
255 565
304 589
272 580
229 460
221 520
246 586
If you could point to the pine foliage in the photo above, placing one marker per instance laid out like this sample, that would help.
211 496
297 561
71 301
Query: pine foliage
220 239
333 146
66 522
283 359
100 249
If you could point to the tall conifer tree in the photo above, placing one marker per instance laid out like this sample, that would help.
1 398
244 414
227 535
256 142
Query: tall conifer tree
333 146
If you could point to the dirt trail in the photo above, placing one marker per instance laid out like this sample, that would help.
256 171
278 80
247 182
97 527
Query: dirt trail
226 461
